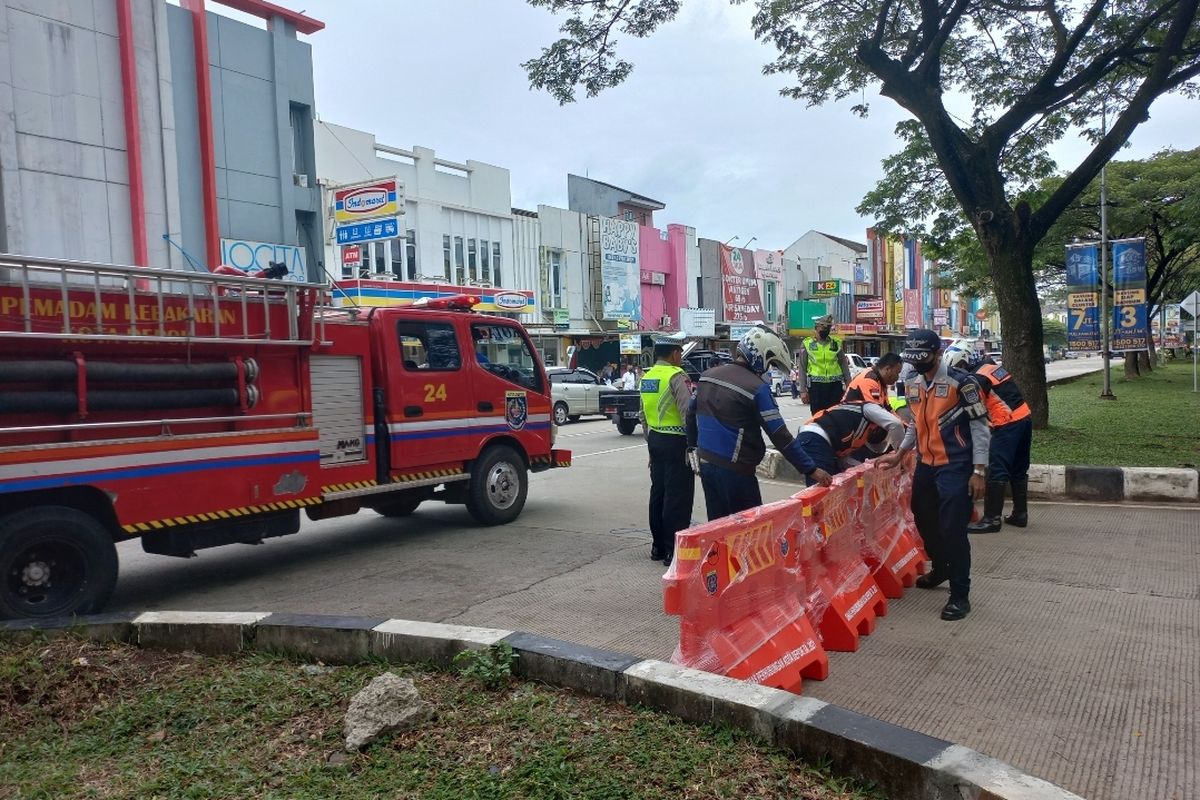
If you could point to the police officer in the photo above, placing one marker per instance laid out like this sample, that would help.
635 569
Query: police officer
1012 438
732 403
951 434
666 394
824 369
847 433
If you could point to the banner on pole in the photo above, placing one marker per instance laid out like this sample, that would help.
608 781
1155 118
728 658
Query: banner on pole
1131 325
742 303
1083 298
619 272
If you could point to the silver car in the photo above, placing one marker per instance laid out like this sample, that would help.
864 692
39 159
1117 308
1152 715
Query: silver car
575 391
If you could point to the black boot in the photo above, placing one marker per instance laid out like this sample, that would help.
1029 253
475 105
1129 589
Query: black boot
934 578
957 608
993 507
1020 513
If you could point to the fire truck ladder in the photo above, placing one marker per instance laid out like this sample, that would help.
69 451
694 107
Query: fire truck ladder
141 285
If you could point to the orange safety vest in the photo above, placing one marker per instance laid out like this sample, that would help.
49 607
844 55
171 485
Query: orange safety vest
942 413
1005 403
846 426
867 387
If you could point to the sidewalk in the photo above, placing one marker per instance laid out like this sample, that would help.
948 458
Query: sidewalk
1077 663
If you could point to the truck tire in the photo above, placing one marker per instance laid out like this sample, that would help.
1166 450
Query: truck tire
400 507
55 561
499 484
560 414
627 426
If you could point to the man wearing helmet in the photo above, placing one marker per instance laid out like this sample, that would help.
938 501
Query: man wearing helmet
824 369
1012 438
731 405
951 434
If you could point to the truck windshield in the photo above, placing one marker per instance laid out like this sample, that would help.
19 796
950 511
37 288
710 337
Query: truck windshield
503 351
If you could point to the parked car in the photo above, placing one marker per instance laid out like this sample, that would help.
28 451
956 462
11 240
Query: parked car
871 360
575 392
857 364
997 356
1071 354
781 382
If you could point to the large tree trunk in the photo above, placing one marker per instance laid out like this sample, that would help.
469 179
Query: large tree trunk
1011 262
1131 365
1146 359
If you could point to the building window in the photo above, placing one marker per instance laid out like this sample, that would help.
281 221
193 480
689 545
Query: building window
395 249
411 254
556 276
446 255
300 119
485 270
472 264
629 217
460 278
496 264
769 301
379 258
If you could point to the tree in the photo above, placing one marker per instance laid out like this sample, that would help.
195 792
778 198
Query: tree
1027 71
1054 333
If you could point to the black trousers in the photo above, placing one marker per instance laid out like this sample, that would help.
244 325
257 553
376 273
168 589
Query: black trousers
1008 458
941 506
823 395
820 451
672 489
727 492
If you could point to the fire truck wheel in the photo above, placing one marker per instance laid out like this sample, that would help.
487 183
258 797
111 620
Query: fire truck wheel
499 483
400 508
560 414
54 561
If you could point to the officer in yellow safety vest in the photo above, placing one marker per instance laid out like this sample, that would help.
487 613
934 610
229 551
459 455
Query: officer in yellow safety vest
824 369
666 393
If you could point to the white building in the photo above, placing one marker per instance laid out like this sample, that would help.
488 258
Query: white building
824 257
457 224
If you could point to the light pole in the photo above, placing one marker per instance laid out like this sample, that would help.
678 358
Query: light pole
730 239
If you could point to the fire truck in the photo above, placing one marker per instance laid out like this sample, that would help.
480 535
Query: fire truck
193 410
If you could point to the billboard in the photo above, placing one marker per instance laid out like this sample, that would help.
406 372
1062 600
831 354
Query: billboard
1131 326
824 288
768 265
912 308
868 310
1083 298
254 257
369 200
742 302
620 277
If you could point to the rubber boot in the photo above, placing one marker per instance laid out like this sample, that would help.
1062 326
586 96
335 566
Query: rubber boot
993 507
1020 513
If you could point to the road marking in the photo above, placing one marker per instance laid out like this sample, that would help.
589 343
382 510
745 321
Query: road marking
578 456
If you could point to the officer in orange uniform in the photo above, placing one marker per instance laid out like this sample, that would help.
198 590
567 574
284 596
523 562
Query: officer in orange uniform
951 434
848 433
1012 438
871 385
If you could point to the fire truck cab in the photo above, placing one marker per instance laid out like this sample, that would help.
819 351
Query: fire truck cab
195 410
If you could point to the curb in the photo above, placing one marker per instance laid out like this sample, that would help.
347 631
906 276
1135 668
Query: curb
1075 482
906 764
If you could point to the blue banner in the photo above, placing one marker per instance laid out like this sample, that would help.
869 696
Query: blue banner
1131 324
1083 298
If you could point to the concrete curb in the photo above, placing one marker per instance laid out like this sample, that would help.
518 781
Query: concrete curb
905 764
1073 482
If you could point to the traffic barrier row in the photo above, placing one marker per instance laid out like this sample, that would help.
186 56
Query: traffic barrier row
763 594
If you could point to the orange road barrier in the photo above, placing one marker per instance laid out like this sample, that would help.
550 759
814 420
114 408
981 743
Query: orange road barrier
736 585
887 528
848 600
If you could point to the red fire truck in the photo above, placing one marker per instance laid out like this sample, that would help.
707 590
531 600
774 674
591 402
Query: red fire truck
194 410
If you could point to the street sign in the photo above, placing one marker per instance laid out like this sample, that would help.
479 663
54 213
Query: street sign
369 231
352 255
1191 304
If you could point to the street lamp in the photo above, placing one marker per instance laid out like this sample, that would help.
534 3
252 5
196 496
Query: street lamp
752 240
727 241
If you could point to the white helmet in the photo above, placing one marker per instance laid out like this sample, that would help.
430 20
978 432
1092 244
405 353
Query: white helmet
763 349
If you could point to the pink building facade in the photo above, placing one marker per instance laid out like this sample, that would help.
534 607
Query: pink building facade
664 275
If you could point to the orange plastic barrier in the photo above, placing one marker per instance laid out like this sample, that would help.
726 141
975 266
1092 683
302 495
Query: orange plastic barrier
846 600
737 587
891 543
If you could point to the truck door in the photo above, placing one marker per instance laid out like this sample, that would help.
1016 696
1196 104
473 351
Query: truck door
432 419
509 380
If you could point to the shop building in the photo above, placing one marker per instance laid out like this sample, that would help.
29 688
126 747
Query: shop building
115 148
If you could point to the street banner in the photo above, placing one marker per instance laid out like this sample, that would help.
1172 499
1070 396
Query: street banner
912 308
631 344
869 309
768 265
1131 324
742 302
619 272
1083 298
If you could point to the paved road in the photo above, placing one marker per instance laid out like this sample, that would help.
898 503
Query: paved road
1077 664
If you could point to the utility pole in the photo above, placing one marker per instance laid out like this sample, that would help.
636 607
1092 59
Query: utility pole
1106 390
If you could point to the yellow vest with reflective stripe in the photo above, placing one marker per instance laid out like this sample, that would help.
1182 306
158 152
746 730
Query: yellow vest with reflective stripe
658 404
823 357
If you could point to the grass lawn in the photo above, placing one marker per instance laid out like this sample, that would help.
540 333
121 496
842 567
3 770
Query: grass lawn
1154 422
82 720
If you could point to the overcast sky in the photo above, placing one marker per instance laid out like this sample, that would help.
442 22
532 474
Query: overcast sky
696 126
